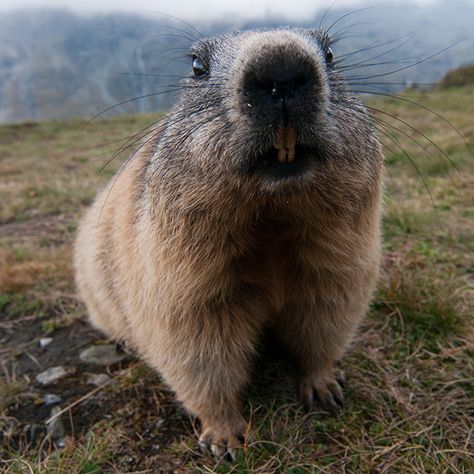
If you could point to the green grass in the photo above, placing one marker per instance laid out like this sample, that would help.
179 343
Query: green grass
410 394
62 161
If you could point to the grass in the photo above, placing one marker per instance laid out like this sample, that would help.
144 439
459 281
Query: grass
410 397
86 457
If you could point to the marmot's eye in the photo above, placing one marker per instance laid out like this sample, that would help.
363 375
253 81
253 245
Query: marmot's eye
198 66
329 56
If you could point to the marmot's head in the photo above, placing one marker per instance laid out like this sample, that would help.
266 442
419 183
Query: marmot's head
270 109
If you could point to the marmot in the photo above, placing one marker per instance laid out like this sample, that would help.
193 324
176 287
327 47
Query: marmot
255 206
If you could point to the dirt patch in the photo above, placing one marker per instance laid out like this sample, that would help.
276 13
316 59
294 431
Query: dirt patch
135 398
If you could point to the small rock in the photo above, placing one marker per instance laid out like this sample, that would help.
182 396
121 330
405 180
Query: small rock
101 355
55 428
98 379
51 398
51 375
45 341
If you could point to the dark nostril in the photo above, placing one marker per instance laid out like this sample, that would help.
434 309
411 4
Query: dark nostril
283 89
262 84
301 79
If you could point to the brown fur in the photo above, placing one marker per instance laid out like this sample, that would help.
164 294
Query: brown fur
192 274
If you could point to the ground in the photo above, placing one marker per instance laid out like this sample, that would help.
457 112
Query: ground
410 371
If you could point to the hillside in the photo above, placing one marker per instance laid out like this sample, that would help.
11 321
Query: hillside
55 64
459 77
410 394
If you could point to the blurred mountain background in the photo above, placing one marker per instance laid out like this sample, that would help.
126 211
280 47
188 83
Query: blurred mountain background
55 64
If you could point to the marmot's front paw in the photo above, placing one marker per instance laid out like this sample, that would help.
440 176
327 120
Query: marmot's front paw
327 390
223 440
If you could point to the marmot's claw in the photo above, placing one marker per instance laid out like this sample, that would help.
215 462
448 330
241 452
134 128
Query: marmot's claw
340 376
221 444
327 390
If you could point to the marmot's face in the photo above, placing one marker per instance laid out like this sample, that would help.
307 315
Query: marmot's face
270 106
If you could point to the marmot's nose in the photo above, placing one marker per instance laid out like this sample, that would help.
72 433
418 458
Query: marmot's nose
278 74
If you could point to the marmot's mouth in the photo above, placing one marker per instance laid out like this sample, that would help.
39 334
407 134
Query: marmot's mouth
286 158
284 163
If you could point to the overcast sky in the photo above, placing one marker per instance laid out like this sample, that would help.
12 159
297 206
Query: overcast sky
196 9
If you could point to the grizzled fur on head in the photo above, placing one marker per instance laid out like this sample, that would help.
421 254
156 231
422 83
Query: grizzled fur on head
220 126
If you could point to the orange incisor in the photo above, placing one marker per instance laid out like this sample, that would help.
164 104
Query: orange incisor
285 144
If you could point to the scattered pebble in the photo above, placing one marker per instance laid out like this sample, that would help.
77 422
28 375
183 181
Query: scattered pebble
51 375
98 379
45 341
51 398
101 355
55 428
